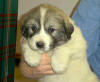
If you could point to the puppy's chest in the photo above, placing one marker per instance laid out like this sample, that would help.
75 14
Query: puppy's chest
54 78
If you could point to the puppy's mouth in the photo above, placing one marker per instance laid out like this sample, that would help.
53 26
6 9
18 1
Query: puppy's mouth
44 48
41 47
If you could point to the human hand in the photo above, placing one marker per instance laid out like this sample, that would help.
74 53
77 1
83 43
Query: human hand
44 68
36 72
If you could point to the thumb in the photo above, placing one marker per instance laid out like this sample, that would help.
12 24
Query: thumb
45 59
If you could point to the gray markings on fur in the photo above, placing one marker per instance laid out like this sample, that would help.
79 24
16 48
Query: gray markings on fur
53 19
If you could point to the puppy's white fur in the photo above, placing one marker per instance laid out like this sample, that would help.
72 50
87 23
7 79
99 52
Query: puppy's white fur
68 60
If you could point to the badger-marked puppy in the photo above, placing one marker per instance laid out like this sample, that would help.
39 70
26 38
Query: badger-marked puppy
47 29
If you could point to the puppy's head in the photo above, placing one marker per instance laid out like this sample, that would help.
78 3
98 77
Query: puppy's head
46 27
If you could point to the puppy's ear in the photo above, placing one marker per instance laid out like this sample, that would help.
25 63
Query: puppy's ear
69 28
24 31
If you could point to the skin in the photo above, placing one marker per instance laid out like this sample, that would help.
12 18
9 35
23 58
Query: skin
37 72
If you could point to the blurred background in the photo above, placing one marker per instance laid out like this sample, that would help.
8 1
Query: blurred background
68 6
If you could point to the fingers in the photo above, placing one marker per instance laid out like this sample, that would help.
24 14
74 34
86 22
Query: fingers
39 74
42 71
48 72
44 68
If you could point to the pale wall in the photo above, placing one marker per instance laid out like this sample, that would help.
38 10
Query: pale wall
66 5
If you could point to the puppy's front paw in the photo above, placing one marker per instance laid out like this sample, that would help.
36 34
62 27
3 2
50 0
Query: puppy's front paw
57 65
33 59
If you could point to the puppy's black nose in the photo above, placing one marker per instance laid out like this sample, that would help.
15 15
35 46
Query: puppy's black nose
40 44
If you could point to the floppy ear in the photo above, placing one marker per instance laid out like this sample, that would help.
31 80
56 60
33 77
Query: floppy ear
25 31
69 28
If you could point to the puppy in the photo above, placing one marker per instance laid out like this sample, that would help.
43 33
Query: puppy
47 29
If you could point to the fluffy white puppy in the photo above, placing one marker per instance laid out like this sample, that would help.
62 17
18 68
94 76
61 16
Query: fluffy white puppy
47 29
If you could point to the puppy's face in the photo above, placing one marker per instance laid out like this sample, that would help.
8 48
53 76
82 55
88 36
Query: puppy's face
45 28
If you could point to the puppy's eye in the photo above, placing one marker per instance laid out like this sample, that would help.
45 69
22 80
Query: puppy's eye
51 30
25 30
34 28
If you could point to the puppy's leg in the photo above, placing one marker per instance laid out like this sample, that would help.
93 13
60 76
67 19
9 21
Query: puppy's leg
32 57
60 60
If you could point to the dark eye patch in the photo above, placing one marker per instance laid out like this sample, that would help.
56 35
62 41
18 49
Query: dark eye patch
28 30
59 37
25 31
